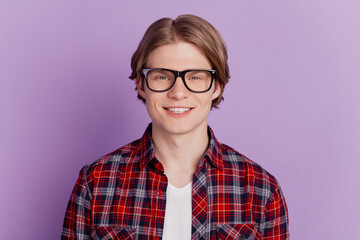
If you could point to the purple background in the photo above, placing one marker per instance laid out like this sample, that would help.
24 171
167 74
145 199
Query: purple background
292 103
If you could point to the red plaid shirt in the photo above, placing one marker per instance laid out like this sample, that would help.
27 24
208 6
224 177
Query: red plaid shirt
123 196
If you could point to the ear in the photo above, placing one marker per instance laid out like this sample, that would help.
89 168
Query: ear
217 91
140 87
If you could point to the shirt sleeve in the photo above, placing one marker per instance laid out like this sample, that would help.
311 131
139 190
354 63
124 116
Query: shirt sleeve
276 225
77 222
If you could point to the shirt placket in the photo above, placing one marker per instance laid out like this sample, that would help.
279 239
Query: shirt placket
199 205
158 186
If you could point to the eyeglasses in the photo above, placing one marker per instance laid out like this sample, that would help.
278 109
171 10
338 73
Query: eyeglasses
195 80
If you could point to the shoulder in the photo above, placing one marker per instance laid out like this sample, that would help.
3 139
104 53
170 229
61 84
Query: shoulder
253 173
235 163
113 163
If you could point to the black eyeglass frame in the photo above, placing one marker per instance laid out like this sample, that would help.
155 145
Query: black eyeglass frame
176 75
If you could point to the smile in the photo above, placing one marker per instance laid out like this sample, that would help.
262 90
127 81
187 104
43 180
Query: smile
178 110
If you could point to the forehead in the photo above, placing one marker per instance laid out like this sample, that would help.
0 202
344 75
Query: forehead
178 56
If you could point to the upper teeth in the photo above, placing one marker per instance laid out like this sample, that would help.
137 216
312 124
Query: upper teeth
178 110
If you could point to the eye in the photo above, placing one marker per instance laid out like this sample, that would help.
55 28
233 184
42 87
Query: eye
163 77
195 77
159 75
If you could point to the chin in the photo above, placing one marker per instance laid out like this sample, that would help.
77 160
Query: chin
179 129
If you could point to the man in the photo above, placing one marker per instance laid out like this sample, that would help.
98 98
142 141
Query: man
177 181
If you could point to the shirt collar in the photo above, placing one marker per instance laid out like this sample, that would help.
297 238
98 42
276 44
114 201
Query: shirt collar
213 153
215 150
147 152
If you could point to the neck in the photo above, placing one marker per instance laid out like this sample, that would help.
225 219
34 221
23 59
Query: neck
180 153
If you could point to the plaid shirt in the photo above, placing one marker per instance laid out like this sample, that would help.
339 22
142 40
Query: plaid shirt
123 196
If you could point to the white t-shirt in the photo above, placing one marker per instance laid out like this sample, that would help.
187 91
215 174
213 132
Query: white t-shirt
178 213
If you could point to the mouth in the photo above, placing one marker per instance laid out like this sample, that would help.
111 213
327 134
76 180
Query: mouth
178 110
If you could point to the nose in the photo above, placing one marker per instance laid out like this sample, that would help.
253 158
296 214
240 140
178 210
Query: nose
179 89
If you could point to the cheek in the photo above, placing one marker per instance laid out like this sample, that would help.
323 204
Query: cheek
206 102
152 101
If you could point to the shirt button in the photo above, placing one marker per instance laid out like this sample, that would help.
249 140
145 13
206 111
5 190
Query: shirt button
159 193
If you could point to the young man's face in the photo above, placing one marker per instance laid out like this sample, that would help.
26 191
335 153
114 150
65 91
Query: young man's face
166 108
